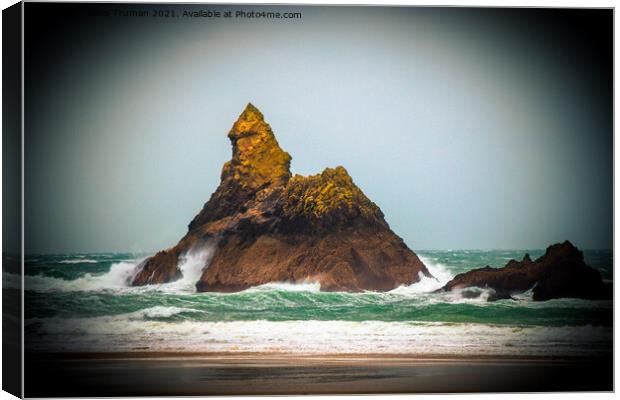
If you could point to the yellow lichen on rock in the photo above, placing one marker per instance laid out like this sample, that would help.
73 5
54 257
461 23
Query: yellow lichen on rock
332 192
257 159
248 118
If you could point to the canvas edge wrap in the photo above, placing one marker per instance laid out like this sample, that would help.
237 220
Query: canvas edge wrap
12 185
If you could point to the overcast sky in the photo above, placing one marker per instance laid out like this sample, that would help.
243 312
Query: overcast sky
469 128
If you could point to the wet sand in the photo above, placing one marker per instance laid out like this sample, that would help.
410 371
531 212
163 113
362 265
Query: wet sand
180 374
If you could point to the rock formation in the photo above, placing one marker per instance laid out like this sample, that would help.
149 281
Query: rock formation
269 226
560 272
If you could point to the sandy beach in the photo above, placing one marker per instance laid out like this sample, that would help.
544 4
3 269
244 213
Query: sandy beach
168 374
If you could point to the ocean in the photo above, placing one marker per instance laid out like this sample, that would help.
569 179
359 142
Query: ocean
82 302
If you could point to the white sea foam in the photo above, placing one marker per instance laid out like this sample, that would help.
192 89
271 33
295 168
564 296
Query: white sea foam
191 264
160 312
441 276
119 276
469 295
79 261
305 286
139 329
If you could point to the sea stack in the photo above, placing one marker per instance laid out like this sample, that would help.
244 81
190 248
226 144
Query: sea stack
560 272
269 226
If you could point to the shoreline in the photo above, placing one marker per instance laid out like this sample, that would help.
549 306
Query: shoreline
263 357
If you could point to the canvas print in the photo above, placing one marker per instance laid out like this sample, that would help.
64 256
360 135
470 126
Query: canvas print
287 199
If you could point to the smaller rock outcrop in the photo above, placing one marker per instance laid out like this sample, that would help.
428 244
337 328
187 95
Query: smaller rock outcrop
560 272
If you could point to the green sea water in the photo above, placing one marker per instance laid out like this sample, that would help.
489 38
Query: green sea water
82 302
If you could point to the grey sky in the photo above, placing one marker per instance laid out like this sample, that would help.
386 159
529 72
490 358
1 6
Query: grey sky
467 131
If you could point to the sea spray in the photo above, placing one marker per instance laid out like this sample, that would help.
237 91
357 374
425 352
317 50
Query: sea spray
119 276
440 276
192 264
304 286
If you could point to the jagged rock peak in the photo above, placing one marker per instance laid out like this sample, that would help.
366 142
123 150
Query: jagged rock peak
330 196
257 160
257 164
563 250
270 227
248 118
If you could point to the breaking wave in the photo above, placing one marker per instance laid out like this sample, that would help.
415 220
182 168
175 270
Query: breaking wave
191 264
118 277
441 276
79 261
146 330
306 286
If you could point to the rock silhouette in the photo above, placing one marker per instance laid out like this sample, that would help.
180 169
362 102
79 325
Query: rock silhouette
560 272
269 226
